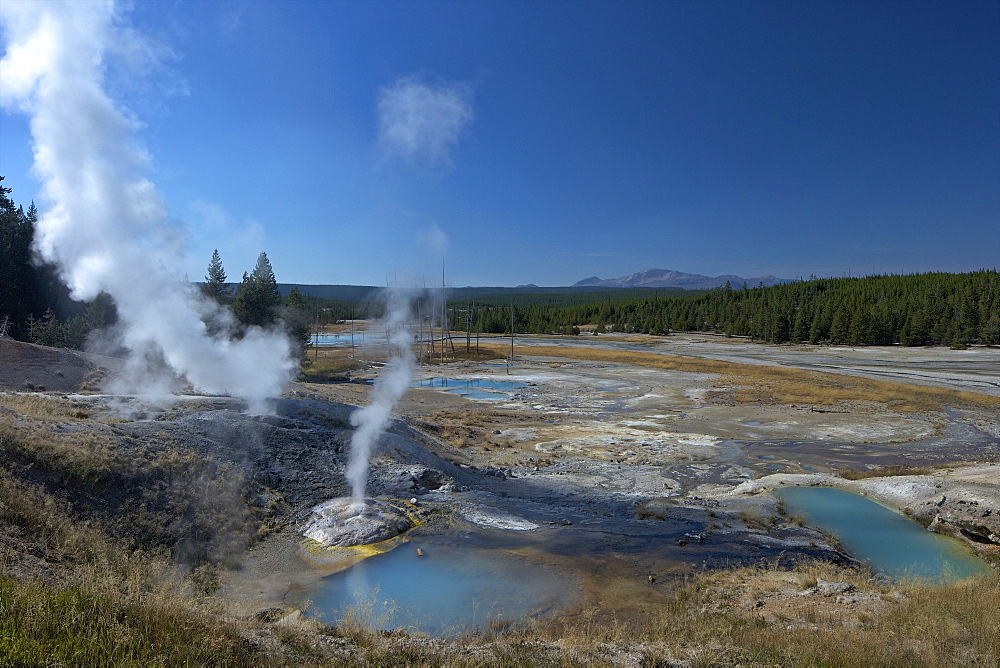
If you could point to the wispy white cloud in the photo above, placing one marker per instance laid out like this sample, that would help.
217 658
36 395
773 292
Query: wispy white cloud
231 19
420 122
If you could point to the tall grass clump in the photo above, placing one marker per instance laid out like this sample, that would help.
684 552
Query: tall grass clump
41 406
45 625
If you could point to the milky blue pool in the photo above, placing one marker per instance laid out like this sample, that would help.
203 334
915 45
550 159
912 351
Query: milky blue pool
449 590
472 388
893 544
344 339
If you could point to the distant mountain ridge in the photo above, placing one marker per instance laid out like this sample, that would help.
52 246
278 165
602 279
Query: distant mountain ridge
668 278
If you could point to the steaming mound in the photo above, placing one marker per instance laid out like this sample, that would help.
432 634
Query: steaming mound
30 367
337 523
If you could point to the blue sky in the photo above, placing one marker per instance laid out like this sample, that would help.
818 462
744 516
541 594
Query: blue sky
545 142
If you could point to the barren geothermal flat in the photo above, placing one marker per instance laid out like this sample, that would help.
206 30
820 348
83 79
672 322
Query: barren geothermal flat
624 459
593 475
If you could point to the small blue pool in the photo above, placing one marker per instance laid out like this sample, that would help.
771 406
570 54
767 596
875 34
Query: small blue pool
891 543
472 388
449 590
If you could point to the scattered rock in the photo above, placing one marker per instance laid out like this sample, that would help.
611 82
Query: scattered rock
850 599
827 588
268 615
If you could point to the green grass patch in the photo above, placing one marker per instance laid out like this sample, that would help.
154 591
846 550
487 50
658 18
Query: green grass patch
44 625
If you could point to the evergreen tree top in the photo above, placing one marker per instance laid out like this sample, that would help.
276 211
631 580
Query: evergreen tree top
216 273
215 281
263 273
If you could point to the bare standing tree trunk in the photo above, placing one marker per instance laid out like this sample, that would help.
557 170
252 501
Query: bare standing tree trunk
468 330
511 361
316 342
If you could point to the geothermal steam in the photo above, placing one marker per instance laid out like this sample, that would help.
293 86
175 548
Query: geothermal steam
103 223
390 386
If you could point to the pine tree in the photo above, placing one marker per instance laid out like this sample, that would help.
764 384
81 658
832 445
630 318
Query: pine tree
21 281
257 297
215 281
263 275
991 331
296 319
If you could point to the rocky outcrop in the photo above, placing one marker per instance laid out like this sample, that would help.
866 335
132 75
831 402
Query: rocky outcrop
968 519
342 523
828 588
954 502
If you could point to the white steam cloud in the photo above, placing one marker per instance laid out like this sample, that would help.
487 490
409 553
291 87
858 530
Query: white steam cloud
418 122
390 386
103 222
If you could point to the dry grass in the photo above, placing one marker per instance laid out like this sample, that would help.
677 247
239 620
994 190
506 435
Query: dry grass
71 594
327 365
40 526
756 617
782 385
150 492
80 456
333 364
41 406
44 625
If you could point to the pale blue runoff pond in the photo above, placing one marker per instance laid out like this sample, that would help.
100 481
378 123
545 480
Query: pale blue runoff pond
334 340
450 590
891 543
472 388
344 339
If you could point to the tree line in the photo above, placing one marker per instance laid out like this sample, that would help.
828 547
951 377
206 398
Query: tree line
912 310
35 304
256 301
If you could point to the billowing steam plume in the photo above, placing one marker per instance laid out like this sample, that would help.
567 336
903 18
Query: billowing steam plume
389 388
103 223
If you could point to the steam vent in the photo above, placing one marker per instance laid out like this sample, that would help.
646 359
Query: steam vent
337 523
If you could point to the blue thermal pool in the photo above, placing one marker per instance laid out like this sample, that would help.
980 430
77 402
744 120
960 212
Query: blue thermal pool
891 543
448 590
472 388
344 339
